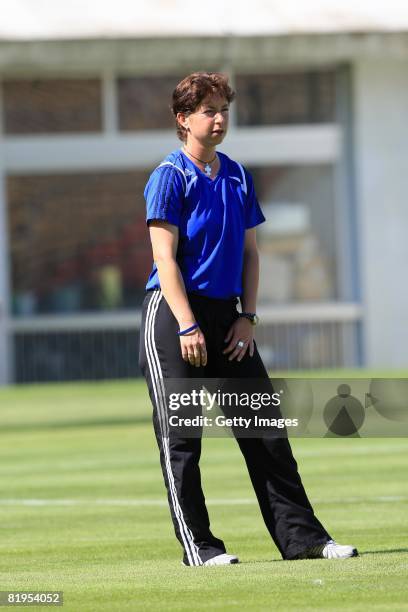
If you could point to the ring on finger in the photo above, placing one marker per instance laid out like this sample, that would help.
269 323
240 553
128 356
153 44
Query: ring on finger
240 344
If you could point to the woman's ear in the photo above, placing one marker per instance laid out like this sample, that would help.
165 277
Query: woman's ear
182 119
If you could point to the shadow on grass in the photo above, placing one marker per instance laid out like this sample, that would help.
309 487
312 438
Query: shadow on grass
257 561
361 554
384 552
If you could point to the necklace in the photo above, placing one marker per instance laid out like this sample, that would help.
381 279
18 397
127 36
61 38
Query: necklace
207 166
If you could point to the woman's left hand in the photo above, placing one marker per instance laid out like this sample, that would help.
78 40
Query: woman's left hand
240 337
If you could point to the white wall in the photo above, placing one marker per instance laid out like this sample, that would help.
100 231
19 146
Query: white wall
381 155
5 346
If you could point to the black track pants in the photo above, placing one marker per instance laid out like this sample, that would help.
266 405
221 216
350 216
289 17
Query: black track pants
285 507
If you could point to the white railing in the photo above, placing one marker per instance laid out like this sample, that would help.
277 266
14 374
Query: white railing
125 319
104 345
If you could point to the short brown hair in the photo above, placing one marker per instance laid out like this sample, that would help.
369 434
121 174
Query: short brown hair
192 90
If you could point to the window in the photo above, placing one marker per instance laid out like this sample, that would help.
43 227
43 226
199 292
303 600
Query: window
285 98
145 102
297 242
40 106
78 242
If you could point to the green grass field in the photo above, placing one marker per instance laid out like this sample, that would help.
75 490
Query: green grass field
83 510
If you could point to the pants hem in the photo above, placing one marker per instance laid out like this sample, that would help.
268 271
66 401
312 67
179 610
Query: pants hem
293 551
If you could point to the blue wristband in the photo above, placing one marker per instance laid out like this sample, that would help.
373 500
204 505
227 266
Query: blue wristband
186 331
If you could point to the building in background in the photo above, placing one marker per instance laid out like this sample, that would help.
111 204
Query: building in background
319 120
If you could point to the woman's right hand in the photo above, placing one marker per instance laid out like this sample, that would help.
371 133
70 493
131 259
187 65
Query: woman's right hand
193 348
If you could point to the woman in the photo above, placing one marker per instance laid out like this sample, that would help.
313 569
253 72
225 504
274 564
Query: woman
202 214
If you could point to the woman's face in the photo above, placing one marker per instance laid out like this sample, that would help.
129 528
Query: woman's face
209 123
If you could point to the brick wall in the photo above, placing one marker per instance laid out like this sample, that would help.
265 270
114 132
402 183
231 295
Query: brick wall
144 103
291 98
52 106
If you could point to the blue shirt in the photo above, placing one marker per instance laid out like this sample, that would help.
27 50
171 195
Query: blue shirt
212 216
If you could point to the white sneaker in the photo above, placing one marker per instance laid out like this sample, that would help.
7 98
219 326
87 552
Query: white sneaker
332 550
223 559
329 550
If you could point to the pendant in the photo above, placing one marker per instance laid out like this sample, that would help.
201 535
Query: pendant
207 169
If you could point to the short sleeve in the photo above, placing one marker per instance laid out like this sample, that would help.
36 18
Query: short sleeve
253 212
164 194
